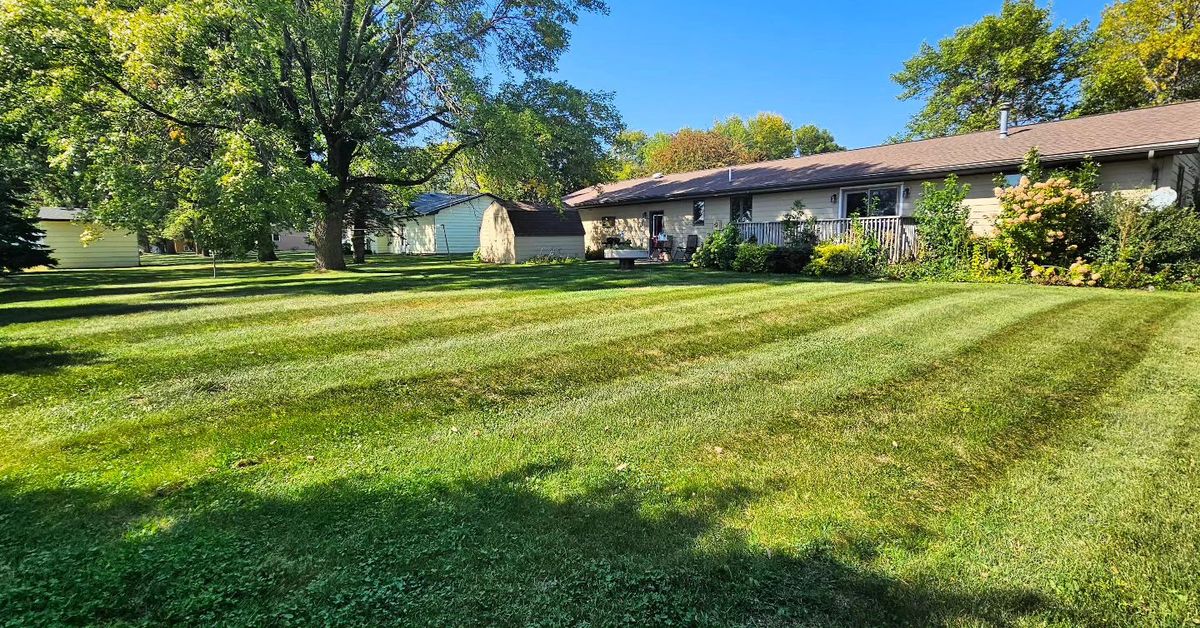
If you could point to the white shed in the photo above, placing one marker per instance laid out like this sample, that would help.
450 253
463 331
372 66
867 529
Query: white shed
514 232
444 223
64 234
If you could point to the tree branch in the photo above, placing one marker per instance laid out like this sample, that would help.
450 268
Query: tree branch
442 163
194 124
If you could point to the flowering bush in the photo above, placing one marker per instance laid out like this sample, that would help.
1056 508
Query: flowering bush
1043 223
1079 273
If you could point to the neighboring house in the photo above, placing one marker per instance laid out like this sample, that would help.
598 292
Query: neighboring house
63 235
514 232
442 223
1137 150
290 240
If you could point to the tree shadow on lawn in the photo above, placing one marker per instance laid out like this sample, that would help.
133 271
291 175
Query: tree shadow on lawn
40 358
489 551
402 274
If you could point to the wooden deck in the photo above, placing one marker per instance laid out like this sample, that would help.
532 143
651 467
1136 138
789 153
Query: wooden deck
896 234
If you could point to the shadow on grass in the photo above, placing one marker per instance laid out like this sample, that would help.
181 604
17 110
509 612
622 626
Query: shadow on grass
490 551
40 358
381 274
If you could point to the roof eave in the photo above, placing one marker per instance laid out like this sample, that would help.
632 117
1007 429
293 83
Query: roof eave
1161 149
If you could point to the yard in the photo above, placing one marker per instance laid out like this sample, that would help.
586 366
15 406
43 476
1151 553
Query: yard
426 442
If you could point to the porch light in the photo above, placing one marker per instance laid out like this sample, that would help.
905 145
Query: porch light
833 198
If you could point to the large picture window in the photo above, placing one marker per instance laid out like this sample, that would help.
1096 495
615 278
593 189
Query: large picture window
867 202
741 208
697 212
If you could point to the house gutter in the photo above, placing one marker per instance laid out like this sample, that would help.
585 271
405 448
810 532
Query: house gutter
1112 154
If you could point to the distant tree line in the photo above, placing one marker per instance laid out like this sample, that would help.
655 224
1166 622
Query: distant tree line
728 142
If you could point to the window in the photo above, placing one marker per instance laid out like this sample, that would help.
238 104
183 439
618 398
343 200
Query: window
1012 180
608 222
697 212
867 202
275 237
741 208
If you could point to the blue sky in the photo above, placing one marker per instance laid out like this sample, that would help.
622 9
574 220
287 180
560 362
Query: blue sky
675 63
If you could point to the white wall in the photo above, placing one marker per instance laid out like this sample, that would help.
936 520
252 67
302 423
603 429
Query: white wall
425 235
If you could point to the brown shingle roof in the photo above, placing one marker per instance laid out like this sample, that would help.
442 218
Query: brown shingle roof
1101 135
536 220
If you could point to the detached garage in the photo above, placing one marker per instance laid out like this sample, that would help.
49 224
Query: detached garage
111 250
513 232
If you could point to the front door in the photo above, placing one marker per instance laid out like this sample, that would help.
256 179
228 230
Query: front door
656 225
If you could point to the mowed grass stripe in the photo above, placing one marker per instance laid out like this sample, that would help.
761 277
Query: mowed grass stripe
419 405
176 401
661 418
127 366
913 448
1102 524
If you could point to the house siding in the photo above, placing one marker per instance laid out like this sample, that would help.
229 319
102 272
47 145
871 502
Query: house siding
1131 176
112 250
496 241
293 241
527 247
425 236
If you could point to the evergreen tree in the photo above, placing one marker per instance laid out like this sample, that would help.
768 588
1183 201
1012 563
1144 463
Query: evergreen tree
20 239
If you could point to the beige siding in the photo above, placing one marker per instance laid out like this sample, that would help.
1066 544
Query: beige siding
560 246
112 250
825 203
496 242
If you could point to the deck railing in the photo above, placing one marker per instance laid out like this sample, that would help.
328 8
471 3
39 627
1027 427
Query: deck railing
896 234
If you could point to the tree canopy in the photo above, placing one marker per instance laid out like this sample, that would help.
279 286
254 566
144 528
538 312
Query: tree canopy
729 142
1017 57
1145 52
184 106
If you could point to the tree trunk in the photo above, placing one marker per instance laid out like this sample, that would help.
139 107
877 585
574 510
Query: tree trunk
327 235
266 245
359 238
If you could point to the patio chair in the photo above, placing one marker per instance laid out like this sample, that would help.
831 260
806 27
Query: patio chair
685 253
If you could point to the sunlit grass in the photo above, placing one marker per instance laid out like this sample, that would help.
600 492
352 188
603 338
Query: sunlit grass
433 441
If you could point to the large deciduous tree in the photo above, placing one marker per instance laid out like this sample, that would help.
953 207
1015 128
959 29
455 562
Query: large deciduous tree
357 93
1017 57
1145 52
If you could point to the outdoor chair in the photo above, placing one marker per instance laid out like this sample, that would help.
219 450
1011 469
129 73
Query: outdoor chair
685 253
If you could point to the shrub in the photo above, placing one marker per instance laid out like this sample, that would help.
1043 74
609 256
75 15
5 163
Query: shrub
754 258
719 249
477 255
1080 273
593 254
837 259
789 260
1047 222
1140 248
548 259
942 229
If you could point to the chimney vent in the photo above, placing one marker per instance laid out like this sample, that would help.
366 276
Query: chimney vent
1004 109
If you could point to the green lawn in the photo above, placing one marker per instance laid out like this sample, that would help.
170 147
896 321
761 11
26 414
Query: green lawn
425 442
